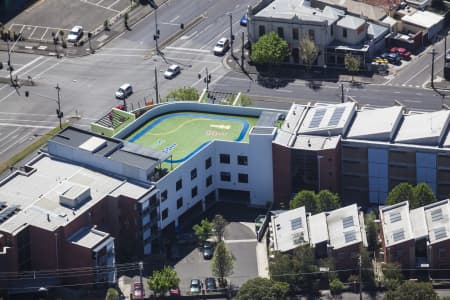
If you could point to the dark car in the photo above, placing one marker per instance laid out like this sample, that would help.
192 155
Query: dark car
138 290
447 56
392 58
210 284
244 20
207 250
402 52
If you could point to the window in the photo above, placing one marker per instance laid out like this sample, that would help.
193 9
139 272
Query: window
208 163
243 178
295 34
242 160
179 185
164 196
179 202
262 30
280 32
194 192
311 35
165 214
344 32
442 252
209 180
224 158
225 176
331 30
193 173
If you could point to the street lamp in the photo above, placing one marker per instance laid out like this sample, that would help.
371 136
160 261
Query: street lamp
206 79
231 32
10 67
153 5
59 113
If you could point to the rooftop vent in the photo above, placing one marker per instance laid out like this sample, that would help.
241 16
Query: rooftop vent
74 195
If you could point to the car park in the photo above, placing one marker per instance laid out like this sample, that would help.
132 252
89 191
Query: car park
244 20
124 91
210 284
75 34
172 71
138 290
207 250
402 52
392 58
222 46
196 286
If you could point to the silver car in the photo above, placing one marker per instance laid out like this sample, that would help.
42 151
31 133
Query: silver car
124 91
75 34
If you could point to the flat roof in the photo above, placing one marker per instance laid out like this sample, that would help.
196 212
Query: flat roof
344 228
313 142
376 124
327 119
318 230
418 223
39 203
358 8
396 223
88 237
437 218
290 229
424 19
351 22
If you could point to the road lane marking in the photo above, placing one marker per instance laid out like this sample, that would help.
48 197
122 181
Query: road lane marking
188 49
28 64
48 69
26 125
174 19
12 132
36 66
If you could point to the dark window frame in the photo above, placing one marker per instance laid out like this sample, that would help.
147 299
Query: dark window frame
225 176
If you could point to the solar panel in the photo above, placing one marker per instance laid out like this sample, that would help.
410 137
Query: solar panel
6 213
348 222
296 223
440 233
436 215
336 116
395 217
317 118
350 236
398 235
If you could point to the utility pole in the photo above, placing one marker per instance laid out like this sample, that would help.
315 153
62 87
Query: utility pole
207 80
360 277
342 93
59 113
242 51
231 32
141 267
156 35
156 86
433 54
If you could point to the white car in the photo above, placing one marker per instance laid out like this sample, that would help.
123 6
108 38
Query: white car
124 91
222 46
172 71
75 34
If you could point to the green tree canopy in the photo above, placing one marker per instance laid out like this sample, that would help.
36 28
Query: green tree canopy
162 281
308 51
111 294
203 230
411 290
352 63
305 198
371 232
222 263
336 286
327 200
423 194
262 289
280 268
402 192
183 94
392 276
367 273
219 224
270 49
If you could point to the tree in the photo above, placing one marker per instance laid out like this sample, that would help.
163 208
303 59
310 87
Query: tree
162 281
327 200
411 290
262 289
401 192
222 263
246 100
367 273
304 265
352 63
111 294
280 268
219 224
183 94
305 198
336 286
423 194
371 232
308 51
392 276
270 49
203 230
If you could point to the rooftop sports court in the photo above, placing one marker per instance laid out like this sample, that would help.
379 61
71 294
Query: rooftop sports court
182 134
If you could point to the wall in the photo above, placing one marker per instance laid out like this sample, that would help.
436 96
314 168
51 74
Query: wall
426 169
330 169
378 175
282 177
440 258
353 36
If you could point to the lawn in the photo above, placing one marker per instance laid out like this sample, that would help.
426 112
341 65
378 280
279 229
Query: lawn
185 133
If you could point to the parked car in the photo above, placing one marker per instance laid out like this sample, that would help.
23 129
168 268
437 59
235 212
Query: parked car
196 286
392 58
138 290
402 52
207 250
222 46
244 20
210 284
124 91
175 291
75 34
447 56
172 71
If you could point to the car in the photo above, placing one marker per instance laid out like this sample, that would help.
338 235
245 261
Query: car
196 286
124 91
118 106
402 52
172 71
447 57
244 20
207 250
392 58
75 34
222 46
210 284
175 291
138 290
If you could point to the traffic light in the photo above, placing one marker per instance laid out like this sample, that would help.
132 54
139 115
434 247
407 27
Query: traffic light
181 26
